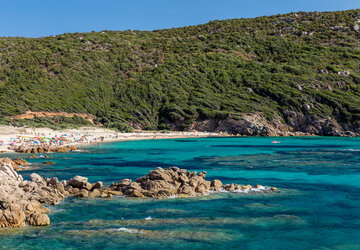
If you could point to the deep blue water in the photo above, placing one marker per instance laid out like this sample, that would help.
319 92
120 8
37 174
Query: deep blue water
318 206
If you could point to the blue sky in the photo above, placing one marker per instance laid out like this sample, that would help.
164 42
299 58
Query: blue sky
36 18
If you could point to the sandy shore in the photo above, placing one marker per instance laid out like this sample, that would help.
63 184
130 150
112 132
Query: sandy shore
93 135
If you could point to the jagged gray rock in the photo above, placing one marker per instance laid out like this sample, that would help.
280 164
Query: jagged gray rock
162 183
21 200
79 182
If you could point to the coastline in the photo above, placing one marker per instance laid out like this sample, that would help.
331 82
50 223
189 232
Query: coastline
85 136
93 135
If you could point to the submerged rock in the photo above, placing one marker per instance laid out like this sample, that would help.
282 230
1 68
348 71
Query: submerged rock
20 162
49 162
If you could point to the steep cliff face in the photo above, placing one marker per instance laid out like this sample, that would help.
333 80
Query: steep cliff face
296 124
319 126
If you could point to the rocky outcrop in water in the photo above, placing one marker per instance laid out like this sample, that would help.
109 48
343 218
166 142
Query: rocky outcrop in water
176 182
80 187
21 201
20 164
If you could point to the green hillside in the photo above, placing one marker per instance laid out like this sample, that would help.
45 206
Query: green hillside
303 62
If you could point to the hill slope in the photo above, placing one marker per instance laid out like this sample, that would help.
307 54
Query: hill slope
294 72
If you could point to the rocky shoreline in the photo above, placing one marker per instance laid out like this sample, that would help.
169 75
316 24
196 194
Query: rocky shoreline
252 124
21 201
257 124
44 149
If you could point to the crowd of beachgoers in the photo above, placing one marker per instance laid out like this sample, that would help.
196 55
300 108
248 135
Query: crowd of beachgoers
52 141
12 137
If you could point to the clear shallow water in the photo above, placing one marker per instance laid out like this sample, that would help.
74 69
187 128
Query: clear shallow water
318 206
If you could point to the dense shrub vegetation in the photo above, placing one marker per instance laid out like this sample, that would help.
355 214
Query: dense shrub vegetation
56 122
151 79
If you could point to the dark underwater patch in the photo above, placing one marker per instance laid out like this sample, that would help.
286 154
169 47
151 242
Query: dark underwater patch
184 140
277 146
147 164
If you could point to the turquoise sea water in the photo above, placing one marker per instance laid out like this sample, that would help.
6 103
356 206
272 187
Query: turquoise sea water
318 206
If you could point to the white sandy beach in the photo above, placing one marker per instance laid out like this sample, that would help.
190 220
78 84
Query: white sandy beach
92 134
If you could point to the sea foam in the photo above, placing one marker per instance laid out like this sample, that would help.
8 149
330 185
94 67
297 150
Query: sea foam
127 230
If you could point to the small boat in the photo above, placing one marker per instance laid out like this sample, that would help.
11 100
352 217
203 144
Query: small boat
274 141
